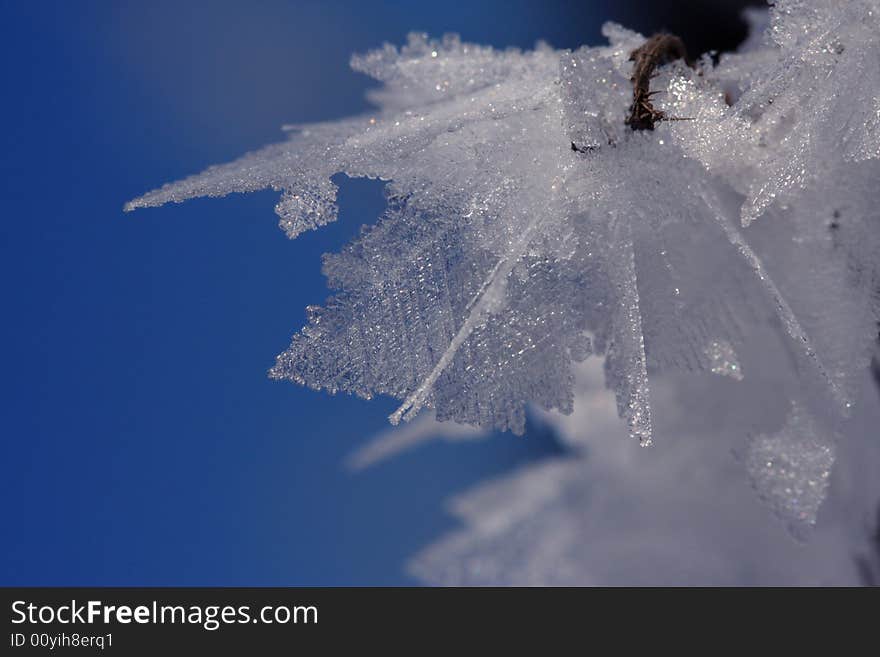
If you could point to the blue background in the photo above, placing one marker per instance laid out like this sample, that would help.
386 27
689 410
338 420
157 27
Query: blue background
142 442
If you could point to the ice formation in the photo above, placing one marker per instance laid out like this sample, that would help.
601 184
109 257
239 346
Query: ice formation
395 440
806 103
790 468
528 227
603 513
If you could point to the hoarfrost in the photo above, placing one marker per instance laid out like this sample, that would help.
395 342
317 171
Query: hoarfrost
807 103
605 514
790 469
724 360
527 227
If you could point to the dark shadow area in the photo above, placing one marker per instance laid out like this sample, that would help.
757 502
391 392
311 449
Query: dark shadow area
868 564
703 25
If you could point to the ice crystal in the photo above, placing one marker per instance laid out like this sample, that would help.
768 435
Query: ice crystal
807 103
724 360
790 468
605 514
528 227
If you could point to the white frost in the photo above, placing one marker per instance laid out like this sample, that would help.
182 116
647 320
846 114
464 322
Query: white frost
528 227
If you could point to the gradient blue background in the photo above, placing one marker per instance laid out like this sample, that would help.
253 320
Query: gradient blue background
142 442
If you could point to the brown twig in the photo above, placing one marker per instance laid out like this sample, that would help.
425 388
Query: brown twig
658 50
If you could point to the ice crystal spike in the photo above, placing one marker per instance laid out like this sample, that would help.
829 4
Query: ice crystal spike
527 227
807 103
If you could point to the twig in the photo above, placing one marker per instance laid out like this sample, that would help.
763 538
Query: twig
656 51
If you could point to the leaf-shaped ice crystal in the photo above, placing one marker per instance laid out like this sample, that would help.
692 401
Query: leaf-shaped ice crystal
528 226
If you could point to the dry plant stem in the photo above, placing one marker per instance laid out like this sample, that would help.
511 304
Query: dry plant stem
658 50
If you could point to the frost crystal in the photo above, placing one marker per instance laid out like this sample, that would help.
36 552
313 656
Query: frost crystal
790 469
528 227
806 103
605 514
723 360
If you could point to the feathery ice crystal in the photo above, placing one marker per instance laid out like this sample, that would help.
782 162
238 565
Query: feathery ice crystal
528 227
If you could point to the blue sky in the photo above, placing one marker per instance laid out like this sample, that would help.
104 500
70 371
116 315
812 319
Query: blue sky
142 442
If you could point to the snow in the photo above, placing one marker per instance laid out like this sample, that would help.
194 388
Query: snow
528 227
